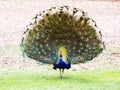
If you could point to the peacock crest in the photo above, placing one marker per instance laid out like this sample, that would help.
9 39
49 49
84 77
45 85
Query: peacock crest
62 30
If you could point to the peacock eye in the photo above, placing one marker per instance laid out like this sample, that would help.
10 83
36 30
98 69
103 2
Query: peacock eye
43 11
81 18
47 14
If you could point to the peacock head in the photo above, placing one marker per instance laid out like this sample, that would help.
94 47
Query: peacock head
60 55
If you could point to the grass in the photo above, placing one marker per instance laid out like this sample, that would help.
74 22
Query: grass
49 80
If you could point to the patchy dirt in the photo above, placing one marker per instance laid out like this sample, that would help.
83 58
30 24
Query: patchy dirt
16 14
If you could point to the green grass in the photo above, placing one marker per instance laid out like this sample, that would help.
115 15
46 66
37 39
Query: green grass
49 80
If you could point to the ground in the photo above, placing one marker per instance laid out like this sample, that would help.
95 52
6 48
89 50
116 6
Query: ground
15 15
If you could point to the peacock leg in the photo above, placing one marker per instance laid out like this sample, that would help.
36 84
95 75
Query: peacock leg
60 74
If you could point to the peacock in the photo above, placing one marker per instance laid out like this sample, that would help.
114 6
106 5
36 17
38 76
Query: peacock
62 36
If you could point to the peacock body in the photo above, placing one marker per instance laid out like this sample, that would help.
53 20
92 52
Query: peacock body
62 33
